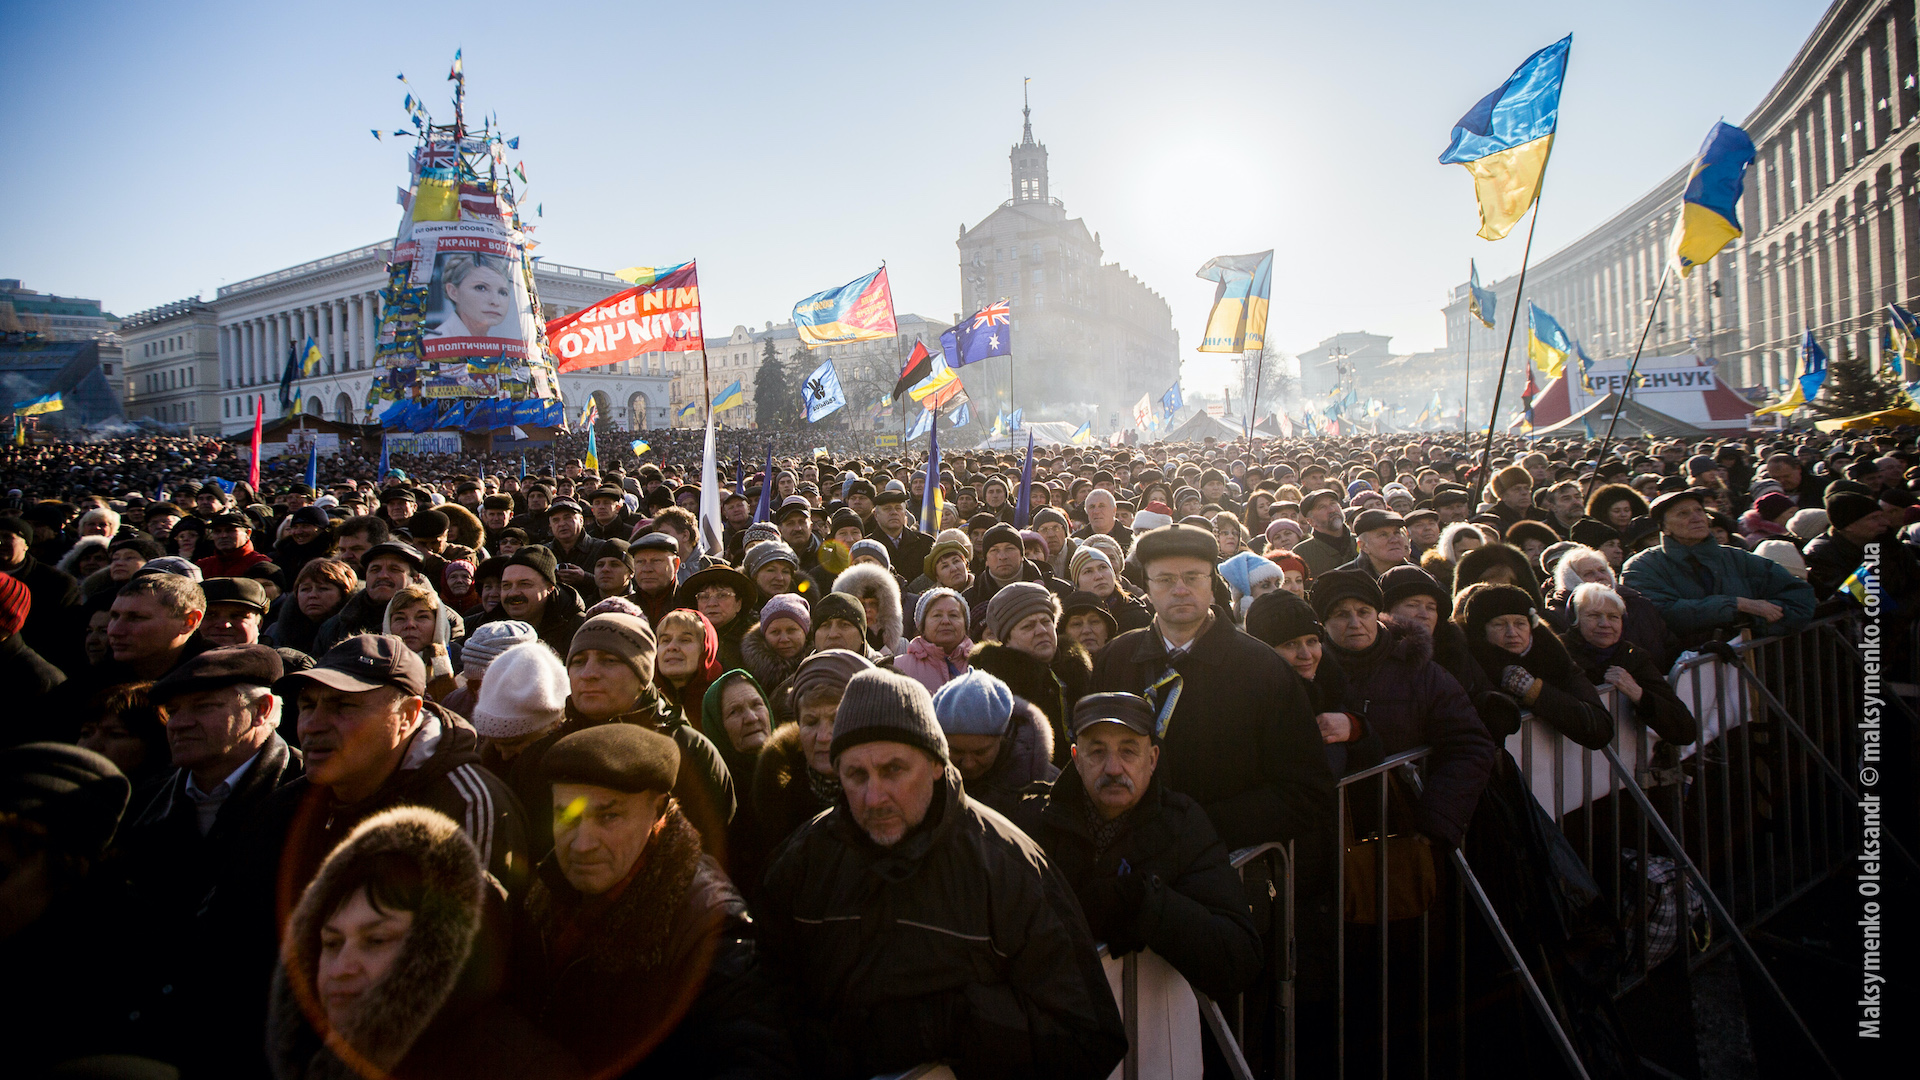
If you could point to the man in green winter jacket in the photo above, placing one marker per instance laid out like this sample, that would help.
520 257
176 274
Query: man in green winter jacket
1702 587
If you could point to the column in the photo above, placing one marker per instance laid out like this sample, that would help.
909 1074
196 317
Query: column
331 350
222 336
254 342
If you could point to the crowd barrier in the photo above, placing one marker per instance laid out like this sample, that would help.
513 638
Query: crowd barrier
1692 846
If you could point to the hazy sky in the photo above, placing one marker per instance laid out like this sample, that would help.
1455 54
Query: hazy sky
155 151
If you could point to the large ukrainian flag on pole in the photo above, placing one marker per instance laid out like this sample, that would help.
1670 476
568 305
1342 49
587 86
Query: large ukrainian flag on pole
1710 207
1547 344
1244 285
1505 139
860 310
36 406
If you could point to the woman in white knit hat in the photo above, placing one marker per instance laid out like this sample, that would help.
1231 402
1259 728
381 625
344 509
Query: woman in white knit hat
482 647
523 697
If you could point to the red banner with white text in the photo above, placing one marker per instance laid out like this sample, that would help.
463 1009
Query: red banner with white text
663 316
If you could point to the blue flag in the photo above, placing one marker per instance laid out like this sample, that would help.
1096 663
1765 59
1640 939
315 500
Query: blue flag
523 460
383 462
989 332
765 509
922 425
1813 371
313 466
1013 422
822 393
930 498
962 416
1022 507
1171 401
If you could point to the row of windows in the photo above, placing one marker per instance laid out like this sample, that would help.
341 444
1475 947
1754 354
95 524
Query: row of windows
1012 254
169 380
185 411
163 346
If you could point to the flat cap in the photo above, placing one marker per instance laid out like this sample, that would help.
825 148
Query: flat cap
620 757
232 665
1370 520
1169 541
246 592
1130 711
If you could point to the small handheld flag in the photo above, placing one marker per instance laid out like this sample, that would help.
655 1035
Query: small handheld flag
1504 141
1710 206
822 393
919 366
688 411
1022 507
1547 344
640 446
1480 302
1083 434
765 508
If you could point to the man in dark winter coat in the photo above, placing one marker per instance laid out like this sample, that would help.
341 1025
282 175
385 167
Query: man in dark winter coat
1236 729
1145 863
55 593
1003 562
306 537
179 835
999 742
647 953
910 924
390 567
906 546
531 593
1332 543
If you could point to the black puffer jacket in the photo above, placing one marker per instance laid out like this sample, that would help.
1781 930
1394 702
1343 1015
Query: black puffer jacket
1405 700
960 943
784 796
1192 910
1054 688
660 979
1567 700
1660 708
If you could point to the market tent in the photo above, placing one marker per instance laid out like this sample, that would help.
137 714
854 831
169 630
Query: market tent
1636 420
1901 417
1045 433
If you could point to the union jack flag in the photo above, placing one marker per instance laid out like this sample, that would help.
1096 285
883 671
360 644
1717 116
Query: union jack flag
437 155
999 313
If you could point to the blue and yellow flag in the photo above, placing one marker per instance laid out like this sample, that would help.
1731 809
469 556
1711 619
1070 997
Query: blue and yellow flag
1547 344
1480 302
1083 434
860 310
1710 206
730 398
647 275
689 411
1813 375
44 404
1505 140
639 447
1243 287
19 430
592 458
1903 342
1861 582
310 358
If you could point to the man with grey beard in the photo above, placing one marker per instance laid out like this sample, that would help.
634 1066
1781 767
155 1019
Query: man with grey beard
1146 864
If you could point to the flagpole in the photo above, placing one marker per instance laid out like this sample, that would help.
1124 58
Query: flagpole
1513 321
1466 401
1620 401
1253 409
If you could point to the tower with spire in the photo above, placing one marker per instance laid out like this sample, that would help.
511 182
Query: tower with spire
1029 158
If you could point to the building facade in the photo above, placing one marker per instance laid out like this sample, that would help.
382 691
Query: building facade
1087 335
336 301
173 365
867 369
28 313
1829 212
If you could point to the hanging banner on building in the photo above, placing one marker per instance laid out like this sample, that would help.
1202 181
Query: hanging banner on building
663 316
425 442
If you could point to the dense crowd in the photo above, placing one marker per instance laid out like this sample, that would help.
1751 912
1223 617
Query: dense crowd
482 768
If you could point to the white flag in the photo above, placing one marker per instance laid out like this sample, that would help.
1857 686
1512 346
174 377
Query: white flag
711 533
1143 412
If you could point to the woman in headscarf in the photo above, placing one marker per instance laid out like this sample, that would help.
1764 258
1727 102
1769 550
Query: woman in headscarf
416 615
1092 571
1523 657
728 598
1455 541
735 717
686 657
794 779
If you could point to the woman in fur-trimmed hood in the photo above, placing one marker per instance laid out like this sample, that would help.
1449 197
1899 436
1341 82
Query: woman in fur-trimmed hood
349 1001
873 582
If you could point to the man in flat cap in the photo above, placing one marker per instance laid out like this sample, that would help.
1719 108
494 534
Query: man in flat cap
1705 589
1381 537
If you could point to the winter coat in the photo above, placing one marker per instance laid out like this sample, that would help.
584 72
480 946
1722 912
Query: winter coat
784 796
49 628
291 629
440 1010
878 584
558 621
1756 528
1322 552
1695 609
1192 910
1026 757
979 594
1567 700
1054 688
291 558
731 636
1832 558
171 868
74 703
657 977
925 663
1660 708
585 552
1122 535
28 679
359 615
233 563
769 670
1643 623
1405 700
703 787
908 552
960 943
1241 740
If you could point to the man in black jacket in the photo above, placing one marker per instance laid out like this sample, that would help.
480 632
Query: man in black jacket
1146 864
910 924
55 594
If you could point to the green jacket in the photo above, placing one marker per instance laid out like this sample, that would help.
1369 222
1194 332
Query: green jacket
1691 608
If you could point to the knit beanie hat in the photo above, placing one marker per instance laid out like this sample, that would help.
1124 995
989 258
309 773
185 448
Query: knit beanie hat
759 532
1048 515
975 703
1280 616
526 693
1773 504
538 559
488 641
1016 602
1847 507
871 547
771 551
787 606
1487 602
625 636
883 706
839 605
1336 585
1086 554
944 544
15 603
76 795
829 669
171 564
1805 524
1246 570
1400 582
926 600
1002 533
1784 553
619 605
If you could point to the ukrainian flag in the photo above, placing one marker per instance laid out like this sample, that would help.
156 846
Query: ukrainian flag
1480 302
44 404
1243 287
1903 342
592 460
1862 581
310 358
1547 344
1083 434
640 446
729 398
1710 206
1505 140
688 411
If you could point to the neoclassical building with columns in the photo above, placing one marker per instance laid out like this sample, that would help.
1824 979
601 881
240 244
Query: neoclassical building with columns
336 301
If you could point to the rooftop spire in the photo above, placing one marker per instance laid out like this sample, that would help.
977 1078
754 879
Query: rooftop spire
1026 114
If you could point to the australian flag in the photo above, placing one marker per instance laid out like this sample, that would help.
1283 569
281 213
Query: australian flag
989 332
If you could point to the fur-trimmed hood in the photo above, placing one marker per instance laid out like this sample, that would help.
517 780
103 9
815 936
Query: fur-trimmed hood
1026 756
394 1013
766 666
783 797
871 581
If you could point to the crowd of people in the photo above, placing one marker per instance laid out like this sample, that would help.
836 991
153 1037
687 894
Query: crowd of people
483 767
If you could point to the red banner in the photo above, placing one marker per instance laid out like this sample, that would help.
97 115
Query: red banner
660 317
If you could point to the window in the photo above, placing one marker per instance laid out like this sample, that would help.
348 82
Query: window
1039 276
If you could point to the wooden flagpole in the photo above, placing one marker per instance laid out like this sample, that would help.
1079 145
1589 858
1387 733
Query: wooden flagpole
1626 388
1513 320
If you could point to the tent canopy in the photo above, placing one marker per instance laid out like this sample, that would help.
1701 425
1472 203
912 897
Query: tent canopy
1636 420
1902 417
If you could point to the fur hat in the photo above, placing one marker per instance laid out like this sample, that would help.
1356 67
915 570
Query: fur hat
526 693
1485 603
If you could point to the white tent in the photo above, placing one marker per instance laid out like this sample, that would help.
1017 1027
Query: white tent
1045 433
